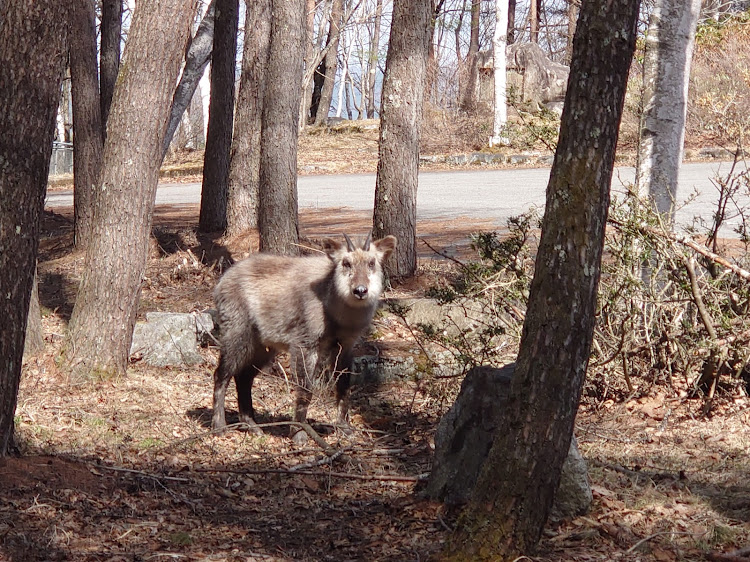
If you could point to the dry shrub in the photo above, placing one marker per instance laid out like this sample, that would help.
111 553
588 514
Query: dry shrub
451 130
719 103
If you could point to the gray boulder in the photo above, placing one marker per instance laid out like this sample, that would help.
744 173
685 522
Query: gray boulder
169 338
465 435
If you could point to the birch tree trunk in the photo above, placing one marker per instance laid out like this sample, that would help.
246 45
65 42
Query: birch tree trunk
666 74
372 63
33 48
514 492
499 43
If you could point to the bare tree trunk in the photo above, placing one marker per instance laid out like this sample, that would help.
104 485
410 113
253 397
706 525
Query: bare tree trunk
372 61
213 213
666 75
400 125
469 98
87 123
511 21
307 89
505 516
572 21
535 12
331 62
244 161
101 325
109 59
33 47
277 220
196 60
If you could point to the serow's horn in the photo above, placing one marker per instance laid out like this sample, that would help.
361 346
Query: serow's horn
349 245
366 246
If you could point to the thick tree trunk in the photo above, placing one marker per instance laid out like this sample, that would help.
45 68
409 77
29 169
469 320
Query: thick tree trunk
101 326
33 45
244 161
196 60
469 97
109 59
87 118
372 62
277 220
511 21
505 516
535 12
666 75
400 125
213 213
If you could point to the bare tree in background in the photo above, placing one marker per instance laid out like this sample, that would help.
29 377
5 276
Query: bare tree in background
197 58
277 219
109 55
213 212
513 495
33 48
244 160
87 118
471 85
101 325
499 44
373 59
400 125
331 62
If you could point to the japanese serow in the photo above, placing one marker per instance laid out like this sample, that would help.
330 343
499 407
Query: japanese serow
314 307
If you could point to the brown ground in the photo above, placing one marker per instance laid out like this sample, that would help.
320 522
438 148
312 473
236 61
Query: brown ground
128 470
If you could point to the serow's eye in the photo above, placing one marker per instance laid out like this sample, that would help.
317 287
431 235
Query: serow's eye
346 264
372 264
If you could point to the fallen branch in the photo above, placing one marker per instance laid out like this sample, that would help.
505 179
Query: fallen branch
366 477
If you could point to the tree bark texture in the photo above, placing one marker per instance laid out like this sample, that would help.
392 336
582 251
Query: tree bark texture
535 15
33 48
196 60
471 87
278 223
87 118
309 63
666 75
101 325
244 160
400 124
109 59
511 21
515 489
213 213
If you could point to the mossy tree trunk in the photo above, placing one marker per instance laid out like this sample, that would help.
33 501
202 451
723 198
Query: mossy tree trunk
514 493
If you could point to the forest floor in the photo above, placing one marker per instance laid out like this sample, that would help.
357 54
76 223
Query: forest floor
128 470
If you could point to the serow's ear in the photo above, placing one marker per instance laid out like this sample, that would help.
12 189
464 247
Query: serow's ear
331 246
386 245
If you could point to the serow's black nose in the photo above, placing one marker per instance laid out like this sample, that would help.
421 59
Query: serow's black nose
360 292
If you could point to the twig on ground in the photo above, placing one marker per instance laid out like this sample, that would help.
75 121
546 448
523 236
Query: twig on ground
366 477
648 538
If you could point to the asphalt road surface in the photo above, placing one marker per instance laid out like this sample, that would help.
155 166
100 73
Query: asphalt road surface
485 194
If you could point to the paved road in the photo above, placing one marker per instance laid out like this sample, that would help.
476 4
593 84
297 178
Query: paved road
487 194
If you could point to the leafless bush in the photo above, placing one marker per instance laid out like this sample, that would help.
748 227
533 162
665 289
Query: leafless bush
673 309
